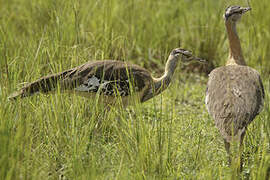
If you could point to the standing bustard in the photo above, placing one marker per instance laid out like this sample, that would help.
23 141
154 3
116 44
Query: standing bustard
109 79
235 92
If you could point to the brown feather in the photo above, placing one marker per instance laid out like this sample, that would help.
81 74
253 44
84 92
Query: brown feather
234 97
110 79
107 70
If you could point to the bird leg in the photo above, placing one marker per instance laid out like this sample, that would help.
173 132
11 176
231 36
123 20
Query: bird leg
227 147
241 147
237 155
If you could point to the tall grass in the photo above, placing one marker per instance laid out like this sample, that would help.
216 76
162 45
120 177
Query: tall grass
171 136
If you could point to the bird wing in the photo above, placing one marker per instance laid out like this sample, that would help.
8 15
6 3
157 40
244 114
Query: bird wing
234 96
107 77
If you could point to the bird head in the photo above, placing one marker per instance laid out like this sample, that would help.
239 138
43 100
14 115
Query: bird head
185 56
234 13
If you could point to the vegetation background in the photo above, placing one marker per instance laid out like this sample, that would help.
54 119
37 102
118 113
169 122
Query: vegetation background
169 137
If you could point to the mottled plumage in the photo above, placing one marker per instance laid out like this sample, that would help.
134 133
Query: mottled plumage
109 79
234 96
235 93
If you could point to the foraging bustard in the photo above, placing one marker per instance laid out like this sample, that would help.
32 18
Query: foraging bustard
235 92
109 79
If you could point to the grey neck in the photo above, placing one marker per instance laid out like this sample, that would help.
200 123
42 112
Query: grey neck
235 51
163 82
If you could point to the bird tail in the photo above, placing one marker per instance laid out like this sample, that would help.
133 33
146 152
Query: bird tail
43 85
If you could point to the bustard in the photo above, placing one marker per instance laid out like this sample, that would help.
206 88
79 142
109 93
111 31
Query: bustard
235 92
109 79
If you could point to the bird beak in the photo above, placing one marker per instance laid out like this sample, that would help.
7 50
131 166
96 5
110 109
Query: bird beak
200 60
245 9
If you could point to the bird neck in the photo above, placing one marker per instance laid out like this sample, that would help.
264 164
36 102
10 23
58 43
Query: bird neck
235 51
164 81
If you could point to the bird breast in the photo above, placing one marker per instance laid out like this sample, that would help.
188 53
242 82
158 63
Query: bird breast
234 95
